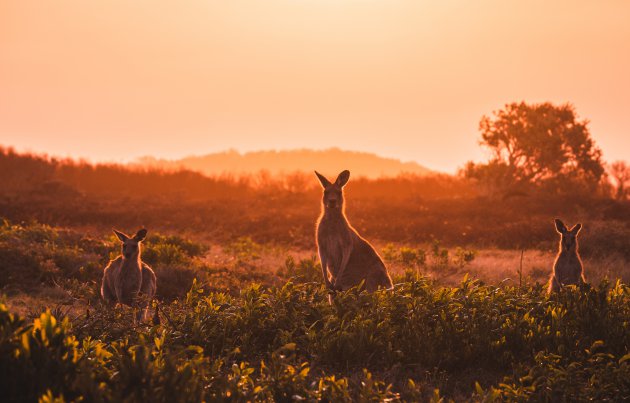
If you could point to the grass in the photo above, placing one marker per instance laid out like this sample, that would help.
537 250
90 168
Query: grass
246 321
64 265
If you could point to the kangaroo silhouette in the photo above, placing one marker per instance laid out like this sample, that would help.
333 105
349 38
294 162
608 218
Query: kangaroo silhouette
347 259
127 280
567 268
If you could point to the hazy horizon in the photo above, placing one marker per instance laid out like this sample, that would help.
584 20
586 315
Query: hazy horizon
115 81
133 160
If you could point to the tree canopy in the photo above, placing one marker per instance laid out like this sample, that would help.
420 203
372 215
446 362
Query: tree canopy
534 144
620 173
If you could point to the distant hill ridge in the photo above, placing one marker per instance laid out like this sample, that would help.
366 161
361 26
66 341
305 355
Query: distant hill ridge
330 161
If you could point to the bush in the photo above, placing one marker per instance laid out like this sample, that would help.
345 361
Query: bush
406 256
597 376
306 270
33 254
244 249
416 258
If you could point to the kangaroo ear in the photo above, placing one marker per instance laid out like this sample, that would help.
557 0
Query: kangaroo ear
576 229
121 236
342 179
325 182
140 235
560 227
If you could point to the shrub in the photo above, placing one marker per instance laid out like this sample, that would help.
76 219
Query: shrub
36 254
306 270
463 256
243 249
405 255
597 376
418 342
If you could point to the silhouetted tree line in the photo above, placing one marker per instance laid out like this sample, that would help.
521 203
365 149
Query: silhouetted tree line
544 148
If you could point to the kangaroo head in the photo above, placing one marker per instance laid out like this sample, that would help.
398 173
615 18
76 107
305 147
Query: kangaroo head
131 245
568 237
333 192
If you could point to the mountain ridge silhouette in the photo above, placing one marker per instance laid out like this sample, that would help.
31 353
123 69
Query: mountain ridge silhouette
329 161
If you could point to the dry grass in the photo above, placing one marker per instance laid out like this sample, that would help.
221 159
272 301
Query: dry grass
31 305
230 267
494 266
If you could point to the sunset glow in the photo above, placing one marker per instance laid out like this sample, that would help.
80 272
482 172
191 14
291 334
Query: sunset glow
314 200
117 80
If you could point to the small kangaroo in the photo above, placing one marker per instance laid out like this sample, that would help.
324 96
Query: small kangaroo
346 258
567 268
126 279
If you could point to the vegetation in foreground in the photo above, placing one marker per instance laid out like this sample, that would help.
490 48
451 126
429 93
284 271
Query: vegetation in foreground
224 340
420 341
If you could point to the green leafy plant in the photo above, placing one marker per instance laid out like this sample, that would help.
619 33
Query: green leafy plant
420 341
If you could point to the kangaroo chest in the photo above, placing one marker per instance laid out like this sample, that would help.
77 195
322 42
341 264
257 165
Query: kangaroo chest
334 240
568 266
128 282
568 259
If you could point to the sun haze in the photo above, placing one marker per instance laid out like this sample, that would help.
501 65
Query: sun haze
117 80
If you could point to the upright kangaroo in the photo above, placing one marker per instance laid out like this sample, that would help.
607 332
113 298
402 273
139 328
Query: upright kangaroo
126 279
346 258
567 269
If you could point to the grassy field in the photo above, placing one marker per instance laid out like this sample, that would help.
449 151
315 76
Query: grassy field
244 321
44 265
242 312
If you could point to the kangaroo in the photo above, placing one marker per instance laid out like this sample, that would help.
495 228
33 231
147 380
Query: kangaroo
567 268
346 258
126 279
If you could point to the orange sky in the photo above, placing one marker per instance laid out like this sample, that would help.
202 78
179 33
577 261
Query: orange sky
113 80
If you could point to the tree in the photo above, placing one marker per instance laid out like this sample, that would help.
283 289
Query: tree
533 144
620 173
